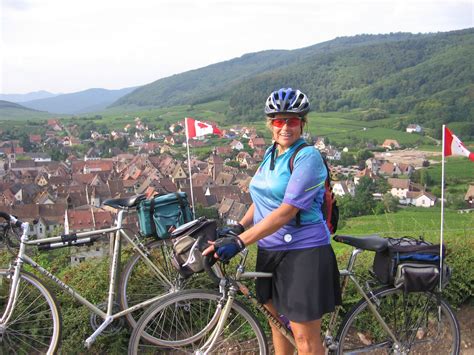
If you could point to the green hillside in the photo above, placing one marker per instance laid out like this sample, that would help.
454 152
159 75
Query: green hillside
423 78
10 111
218 80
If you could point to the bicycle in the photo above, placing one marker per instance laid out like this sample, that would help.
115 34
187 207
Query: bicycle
385 320
30 320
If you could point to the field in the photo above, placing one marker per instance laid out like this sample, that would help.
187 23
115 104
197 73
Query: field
413 221
455 170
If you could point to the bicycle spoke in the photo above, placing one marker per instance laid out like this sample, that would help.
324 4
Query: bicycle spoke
412 317
185 322
34 325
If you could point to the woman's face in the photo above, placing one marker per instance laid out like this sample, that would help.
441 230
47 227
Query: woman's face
286 128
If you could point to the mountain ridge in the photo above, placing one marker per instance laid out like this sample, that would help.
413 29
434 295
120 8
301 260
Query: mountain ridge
90 100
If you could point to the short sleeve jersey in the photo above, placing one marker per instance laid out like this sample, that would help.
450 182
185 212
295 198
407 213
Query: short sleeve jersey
303 188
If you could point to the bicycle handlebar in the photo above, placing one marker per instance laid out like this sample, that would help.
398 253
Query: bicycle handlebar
11 219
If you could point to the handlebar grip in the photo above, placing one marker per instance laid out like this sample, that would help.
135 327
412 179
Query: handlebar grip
10 218
208 261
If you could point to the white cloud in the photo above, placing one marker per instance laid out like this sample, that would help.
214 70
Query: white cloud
65 46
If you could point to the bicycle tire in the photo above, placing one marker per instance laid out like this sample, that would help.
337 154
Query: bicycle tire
176 323
28 330
139 283
412 317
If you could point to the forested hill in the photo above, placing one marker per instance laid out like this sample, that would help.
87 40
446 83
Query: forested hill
430 76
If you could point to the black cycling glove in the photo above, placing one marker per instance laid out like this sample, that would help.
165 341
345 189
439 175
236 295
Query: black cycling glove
226 248
232 229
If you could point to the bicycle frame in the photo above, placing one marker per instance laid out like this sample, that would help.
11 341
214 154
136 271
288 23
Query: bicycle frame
81 238
346 274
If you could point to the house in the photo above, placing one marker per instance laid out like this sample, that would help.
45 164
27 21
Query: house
399 187
224 179
248 162
366 172
223 150
391 144
388 169
202 180
92 154
421 199
41 180
236 145
199 197
93 166
169 140
39 157
320 144
35 139
236 213
414 128
224 207
342 188
233 192
257 142
332 154
242 156
395 169
410 193
179 176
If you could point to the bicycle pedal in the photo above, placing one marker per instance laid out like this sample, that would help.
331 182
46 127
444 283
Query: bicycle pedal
113 328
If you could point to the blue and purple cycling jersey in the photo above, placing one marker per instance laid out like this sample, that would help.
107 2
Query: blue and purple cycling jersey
304 189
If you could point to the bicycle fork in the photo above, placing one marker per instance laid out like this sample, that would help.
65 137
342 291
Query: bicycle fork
13 294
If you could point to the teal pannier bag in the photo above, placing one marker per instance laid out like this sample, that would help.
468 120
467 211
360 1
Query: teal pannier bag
160 215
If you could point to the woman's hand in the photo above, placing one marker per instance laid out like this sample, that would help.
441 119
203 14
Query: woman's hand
225 248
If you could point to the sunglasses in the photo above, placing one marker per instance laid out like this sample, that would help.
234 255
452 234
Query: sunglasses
290 122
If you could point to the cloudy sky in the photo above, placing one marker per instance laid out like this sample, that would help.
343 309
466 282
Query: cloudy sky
70 45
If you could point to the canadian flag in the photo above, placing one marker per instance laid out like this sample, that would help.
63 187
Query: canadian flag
198 128
453 146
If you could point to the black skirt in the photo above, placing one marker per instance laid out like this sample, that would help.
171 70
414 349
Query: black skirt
305 283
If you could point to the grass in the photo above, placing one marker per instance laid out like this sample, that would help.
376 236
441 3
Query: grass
413 221
457 170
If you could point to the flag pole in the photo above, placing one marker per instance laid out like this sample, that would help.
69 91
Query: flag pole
442 211
189 165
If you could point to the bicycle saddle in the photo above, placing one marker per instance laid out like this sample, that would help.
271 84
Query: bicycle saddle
124 202
368 242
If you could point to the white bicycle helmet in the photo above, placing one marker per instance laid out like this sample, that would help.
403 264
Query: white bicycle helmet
287 101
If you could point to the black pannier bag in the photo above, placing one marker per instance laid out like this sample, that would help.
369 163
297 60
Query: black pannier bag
160 215
189 241
411 264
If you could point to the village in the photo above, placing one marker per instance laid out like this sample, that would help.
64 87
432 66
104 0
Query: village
71 192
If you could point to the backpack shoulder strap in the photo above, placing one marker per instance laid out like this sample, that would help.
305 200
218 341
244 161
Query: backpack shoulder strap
293 156
290 166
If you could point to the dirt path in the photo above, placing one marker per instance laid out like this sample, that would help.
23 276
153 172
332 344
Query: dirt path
466 322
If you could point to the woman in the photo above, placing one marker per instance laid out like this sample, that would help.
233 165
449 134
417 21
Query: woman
305 282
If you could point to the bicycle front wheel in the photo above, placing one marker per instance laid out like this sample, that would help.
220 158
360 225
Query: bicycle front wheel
422 322
140 282
34 326
185 321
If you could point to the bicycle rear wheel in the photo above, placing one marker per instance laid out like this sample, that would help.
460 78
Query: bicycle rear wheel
139 282
421 321
35 324
183 322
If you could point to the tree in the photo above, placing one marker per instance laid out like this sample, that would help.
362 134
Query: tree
209 212
25 142
364 154
347 159
390 203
